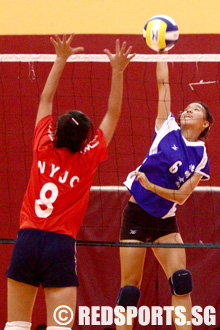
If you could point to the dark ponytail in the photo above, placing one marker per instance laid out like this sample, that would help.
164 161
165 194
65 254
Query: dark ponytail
74 130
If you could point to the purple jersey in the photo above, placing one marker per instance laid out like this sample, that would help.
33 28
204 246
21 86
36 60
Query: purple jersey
170 162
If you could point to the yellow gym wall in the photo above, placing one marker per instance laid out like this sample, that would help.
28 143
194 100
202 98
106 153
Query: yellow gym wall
22 17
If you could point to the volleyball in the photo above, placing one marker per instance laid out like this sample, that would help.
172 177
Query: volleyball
161 33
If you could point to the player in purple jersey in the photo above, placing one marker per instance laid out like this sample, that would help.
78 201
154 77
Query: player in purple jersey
174 165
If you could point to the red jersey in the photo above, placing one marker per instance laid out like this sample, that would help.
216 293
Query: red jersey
58 190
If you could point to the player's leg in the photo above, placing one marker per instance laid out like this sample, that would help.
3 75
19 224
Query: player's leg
21 298
173 262
132 258
22 283
65 297
60 280
132 264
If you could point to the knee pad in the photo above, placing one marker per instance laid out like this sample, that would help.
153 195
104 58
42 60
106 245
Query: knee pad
18 325
181 282
128 296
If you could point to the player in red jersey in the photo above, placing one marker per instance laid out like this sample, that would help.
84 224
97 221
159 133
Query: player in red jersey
57 195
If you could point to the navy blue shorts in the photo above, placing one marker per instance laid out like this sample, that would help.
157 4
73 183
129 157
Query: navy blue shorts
139 225
43 257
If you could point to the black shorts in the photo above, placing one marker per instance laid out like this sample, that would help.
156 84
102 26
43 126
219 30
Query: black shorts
139 225
43 257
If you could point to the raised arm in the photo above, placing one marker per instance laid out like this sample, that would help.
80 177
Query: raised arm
63 51
164 99
119 62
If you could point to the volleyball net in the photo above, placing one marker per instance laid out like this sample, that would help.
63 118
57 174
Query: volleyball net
85 86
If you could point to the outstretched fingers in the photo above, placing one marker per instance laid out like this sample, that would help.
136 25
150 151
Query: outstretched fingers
58 40
117 46
128 53
53 42
73 50
70 39
108 53
77 50
63 46
123 47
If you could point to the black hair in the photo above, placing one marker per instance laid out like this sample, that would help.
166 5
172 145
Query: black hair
209 118
74 130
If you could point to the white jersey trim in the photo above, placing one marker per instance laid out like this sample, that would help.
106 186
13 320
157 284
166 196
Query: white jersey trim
169 125
171 212
202 165
193 143
128 182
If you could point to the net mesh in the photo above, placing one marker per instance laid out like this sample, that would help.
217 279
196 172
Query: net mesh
85 85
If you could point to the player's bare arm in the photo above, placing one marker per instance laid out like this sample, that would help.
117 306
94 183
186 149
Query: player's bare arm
177 196
63 51
164 97
119 62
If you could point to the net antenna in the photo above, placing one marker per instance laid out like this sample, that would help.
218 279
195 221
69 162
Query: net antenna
201 82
